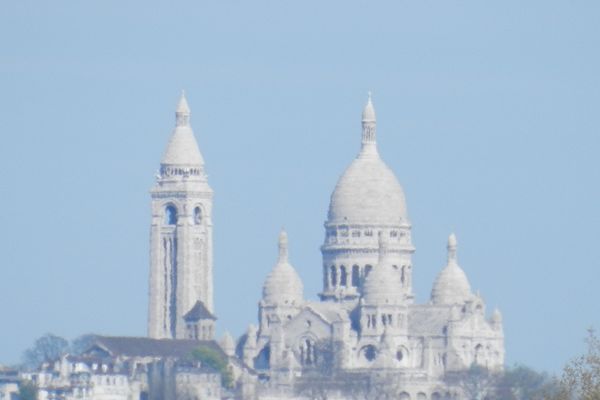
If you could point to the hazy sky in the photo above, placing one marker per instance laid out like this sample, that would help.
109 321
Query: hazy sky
488 112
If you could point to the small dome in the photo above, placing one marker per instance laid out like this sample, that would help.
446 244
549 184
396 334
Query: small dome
182 148
496 316
283 285
383 284
227 344
451 285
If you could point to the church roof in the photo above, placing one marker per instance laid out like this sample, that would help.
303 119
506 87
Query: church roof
330 312
182 148
368 191
147 347
427 320
198 312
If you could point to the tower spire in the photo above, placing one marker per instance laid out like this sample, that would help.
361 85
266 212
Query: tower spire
369 123
182 114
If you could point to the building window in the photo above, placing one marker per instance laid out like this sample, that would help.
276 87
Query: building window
308 354
343 276
369 352
355 275
333 276
170 215
197 215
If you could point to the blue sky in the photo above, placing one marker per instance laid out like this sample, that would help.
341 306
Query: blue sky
487 112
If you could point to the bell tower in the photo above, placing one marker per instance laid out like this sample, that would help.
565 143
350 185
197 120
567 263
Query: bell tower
181 260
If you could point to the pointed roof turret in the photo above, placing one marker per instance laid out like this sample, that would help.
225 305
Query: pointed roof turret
451 285
283 285
182 148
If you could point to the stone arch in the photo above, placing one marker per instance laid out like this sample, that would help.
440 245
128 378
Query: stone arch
198 215
343 276
368 352
402 354
170 214
436 396
478 354
421 396
307 351
355 276
404 396
333 276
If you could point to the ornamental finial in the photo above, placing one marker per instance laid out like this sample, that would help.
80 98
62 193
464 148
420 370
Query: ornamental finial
283 246
452 244
182 114
368 123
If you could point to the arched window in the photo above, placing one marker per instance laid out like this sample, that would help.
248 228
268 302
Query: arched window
197 215
355 275
368 269
343 276
421 396
369 352
478 359
436 396
308 353
404 396
333 277
170 215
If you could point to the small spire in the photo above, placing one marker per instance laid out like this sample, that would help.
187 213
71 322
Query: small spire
283 246
368 124
182 114
452 244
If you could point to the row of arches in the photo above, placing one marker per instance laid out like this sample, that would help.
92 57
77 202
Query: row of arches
340 276
175 171
370 353
344 231
171 215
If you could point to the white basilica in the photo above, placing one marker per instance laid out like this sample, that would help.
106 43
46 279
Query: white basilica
366 320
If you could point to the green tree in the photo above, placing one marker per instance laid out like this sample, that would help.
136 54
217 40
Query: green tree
46 348
28 390
82 343
215 360
581 377
523 383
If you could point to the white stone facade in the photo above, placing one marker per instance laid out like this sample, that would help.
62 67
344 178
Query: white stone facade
181 260
366 323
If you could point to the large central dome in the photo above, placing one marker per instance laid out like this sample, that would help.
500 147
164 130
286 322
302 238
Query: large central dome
368 191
